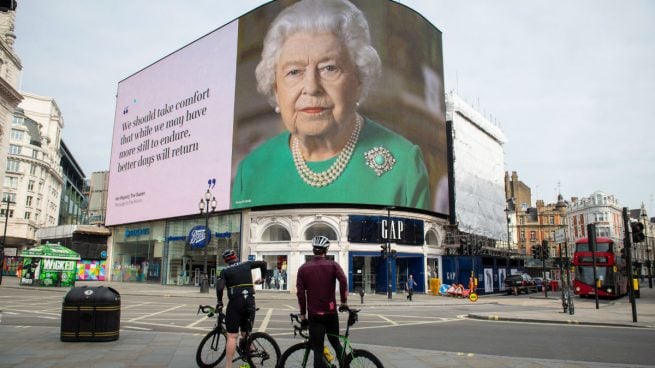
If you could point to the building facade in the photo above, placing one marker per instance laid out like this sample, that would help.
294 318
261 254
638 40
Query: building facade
72 208
10 70
599 208
34 179
97 197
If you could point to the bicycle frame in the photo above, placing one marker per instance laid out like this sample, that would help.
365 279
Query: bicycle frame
219 326
346 346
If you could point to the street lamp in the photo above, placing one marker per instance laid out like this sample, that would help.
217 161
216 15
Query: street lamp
509 240
4 239
649 264
389 257
204 207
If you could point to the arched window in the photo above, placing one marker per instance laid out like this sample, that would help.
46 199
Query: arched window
320 229
431 239
276 233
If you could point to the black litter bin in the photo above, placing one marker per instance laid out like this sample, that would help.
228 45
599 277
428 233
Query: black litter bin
91 314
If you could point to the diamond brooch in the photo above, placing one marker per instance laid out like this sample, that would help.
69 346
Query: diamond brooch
380 160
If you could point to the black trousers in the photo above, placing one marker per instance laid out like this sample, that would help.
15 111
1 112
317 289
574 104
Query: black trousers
319 325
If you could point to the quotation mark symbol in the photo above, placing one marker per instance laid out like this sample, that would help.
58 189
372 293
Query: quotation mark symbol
126 110
211 183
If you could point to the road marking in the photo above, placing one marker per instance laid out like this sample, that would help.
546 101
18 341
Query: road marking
201 319
387 319
262 327
137 328
290 307
157 313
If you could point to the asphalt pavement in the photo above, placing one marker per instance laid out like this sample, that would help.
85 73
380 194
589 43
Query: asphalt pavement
25 346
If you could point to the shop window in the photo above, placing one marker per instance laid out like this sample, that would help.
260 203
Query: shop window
320 229
276 233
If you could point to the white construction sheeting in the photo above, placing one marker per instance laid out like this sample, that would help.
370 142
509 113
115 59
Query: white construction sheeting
479 167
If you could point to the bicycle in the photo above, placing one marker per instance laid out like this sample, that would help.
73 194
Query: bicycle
301 355
256 349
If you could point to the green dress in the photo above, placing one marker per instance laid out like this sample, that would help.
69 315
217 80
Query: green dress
268 176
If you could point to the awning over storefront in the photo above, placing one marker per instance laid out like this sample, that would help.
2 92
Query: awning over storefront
53 251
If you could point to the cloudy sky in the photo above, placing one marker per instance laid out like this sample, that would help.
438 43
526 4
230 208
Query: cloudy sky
571 83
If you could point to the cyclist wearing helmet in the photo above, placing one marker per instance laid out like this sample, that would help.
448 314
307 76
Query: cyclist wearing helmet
237 279
316 285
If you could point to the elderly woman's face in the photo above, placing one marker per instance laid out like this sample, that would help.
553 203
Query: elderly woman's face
317 85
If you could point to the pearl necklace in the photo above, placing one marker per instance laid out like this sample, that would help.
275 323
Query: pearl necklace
328 176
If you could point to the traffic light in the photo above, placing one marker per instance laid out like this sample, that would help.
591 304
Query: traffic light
535 249
637 232
623 255
544 250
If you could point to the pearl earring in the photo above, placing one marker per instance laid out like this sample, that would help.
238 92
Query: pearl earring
277 109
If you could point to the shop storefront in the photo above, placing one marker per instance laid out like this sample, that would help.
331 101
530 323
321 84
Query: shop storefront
164 251
137 252
185 258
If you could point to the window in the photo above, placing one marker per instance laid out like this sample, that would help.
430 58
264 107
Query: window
19 120
533 236
11 182
552 220
27 215
9 197
30 185
16 135
32 169
14 149
521 220
3 213
276 233
320 229
28 201
13 165
35 153
522 235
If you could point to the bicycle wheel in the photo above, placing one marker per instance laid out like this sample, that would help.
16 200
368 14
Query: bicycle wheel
297 356
362 359
264 351
211 349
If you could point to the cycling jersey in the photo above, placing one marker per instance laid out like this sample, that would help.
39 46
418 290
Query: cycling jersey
237 279
316 284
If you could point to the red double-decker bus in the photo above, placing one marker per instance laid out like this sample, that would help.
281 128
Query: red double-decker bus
611 271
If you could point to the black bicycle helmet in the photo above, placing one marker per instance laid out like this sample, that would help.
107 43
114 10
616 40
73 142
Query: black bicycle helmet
229 256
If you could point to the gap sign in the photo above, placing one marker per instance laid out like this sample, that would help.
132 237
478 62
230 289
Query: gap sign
377 229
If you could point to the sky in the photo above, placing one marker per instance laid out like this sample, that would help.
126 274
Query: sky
570 83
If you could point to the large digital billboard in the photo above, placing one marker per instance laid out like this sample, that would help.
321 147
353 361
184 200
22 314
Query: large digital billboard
292 103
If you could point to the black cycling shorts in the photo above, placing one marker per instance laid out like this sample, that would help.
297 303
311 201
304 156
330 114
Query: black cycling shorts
240 311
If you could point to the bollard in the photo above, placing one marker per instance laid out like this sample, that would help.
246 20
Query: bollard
361 295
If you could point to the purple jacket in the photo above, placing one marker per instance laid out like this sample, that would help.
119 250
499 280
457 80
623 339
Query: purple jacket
316 286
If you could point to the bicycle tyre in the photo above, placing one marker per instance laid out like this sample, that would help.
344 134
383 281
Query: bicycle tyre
297 356
362 359
211 349
266 352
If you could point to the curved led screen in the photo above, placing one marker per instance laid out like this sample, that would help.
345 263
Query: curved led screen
325 133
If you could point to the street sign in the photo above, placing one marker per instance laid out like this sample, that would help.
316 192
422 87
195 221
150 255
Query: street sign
560 236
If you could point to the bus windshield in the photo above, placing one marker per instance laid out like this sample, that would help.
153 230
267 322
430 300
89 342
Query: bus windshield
600 247
585 274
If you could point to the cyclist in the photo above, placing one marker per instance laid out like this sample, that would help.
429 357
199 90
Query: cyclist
237 279
316 285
